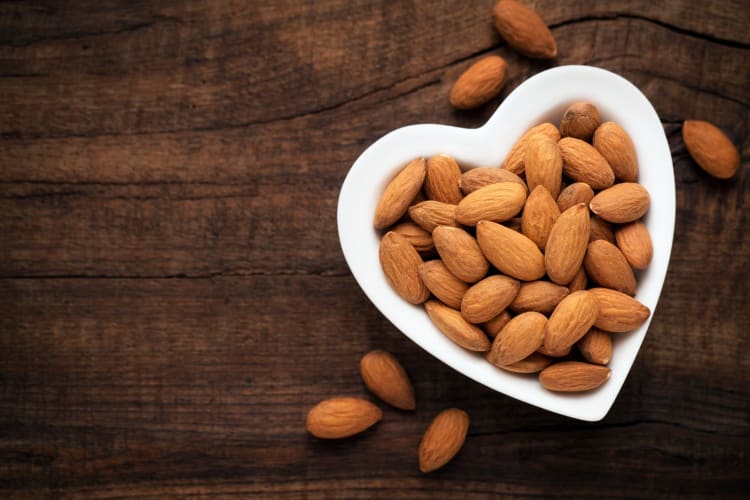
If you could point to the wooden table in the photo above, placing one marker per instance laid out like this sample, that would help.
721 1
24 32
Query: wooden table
173 298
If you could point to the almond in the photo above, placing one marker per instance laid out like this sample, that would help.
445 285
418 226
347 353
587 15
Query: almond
573 376
596 346
635 243
531 364
514 160
580 120
567 243
430 214
539 215
571 319
514 224
480 83
511 252
387 379
455 327
443 439
342 417
615 146
583 163
601 229
606 265
578 192
496 202
460 253
399 194
475 178
520 338
543 164
539 296
579 282
493 326
488 298
546 352
420 239
443 285
624 202
618 312
524 30
400 263
711 148
441 179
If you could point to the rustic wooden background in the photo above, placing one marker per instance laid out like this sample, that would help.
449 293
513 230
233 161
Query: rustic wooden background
173 298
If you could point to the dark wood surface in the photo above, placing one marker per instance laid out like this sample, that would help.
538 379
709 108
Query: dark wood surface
173 298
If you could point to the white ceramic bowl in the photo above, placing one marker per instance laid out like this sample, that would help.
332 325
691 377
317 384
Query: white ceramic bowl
541 98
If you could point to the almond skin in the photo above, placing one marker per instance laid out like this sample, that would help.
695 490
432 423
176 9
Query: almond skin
441 179
615 146
514 160
580 120
430 214
596 346
420 239
539 215
531 364
460 253
493 326
583 163
607 266
573 376
400 263
566 245
511 252
634 242
443 439
571 319
711 148
618 313
543 164
578 192
442 283
479 83
579 282
520 338
545 352
488 298
524 30
475 178
455 327
601 229
622 203
496 202
539 296
399 194
386 378
342 417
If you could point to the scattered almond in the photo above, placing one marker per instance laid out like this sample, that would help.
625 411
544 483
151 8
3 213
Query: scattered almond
520 338
387 379
567 243
580 120
524 30
583 163
441 179
635 243
342 417
400 263
443 439
596 346
607 266
460 253
624 202
512 253
488 298
615 146
573 376
455 327
399 194
442 283
711 148
496 202
479 83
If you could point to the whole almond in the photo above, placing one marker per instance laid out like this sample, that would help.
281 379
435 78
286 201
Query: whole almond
442 283
524 30
420 239
430 214
342 417
531 364
480 83
711 148
615 145
578 192
514 160
520 338
455 327
546 352
475 178
511 252
488 298
543 164
400 263
624 202
441 179
573 376
443 439
539 215
580 120
387 379
399 194
460 253
635 243
607 266
567 243
539 296
493 326
571 319
583 163
618 312
601 229
496 202
579 282
596 346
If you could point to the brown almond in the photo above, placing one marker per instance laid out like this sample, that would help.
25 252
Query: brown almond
441 179
399 194
543 164
520 338
583 163
460 253
493 326
455 327
342 417
443 439
607 266
539 215
580 120
514 160
400 263
635 243
601 229
442 283
596 346
386 378
514 224
573 376
524 30
546 352
566 245
539 296
531 364
618 312
430 214
615 146
624 202
571 319
578 192
488 298
420 239
496 202
479 83
511 252
579 282
478 177
711 148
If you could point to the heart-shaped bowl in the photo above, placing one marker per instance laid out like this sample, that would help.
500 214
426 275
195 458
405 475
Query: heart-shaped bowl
541 98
